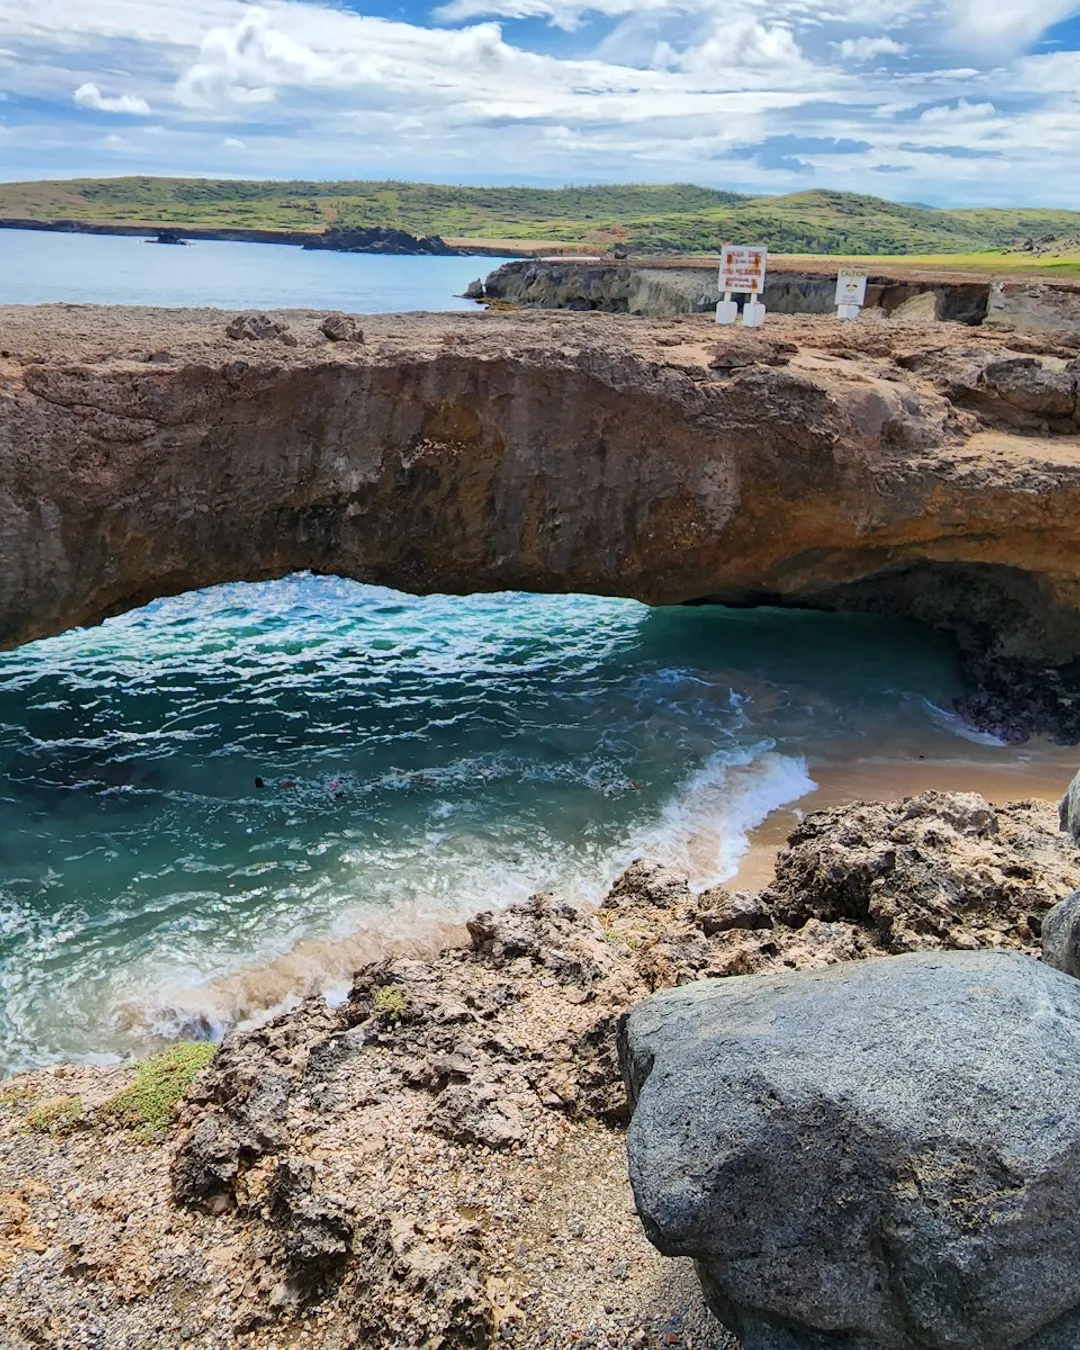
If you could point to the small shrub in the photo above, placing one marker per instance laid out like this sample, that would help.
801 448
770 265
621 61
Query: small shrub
160 1082
54 1116
390 1002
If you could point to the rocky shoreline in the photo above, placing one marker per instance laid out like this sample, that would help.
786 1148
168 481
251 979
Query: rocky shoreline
646 287
358 240
439 1161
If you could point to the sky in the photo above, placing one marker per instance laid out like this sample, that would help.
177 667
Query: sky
944 102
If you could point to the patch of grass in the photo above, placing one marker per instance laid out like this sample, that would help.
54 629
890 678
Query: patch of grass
54 1116
147 1103
390 1002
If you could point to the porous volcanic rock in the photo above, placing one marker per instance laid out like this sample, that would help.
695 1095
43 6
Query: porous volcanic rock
881 1156
341 328
143 453
259 328
943 869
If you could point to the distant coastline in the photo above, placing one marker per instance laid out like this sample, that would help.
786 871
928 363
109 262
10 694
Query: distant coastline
233 234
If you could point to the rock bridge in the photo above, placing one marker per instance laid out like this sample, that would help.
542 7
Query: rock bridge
925 471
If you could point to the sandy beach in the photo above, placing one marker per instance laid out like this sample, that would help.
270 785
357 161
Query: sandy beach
1042 770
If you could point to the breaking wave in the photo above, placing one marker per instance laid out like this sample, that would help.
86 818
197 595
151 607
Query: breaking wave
230 799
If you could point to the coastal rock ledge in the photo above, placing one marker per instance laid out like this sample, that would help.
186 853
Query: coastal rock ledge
930 471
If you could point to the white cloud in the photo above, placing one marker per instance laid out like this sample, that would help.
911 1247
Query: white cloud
90 96
113 141
867 48
1006 23
962 112
639 90
744 46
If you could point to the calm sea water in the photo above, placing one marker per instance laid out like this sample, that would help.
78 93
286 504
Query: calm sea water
418 757
38 268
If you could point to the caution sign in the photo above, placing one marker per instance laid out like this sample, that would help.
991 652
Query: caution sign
742 268
850 289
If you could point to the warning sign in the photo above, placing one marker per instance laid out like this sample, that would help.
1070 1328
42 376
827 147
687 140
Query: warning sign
742 268
850 289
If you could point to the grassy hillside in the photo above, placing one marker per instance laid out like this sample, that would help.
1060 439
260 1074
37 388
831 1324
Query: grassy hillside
678 217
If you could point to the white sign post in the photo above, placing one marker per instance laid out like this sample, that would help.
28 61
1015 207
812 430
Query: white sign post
850 295
742 270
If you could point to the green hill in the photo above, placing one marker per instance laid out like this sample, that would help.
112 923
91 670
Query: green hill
646 217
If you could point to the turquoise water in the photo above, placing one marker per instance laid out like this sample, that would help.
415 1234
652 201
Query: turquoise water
38 268
418 758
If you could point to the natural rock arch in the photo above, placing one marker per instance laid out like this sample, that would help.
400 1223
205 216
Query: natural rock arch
551 453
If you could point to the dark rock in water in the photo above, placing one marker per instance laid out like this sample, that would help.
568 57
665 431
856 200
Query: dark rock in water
168 237
341 328
259 328
884 1155
1061 936
377 239
474 290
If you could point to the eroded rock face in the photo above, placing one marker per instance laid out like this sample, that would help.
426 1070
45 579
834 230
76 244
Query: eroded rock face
944 869
145 453
881 1156
638 288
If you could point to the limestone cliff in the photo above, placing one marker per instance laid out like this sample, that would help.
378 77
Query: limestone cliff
926 470
659 289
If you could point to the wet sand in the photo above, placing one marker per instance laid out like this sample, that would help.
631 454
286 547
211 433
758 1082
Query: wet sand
1042 772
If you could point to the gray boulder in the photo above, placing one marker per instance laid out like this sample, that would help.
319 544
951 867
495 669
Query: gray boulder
1070 809
1061 936
881 1155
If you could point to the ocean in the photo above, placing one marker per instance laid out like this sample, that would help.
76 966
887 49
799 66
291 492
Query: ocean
39 268
224 801
229 798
